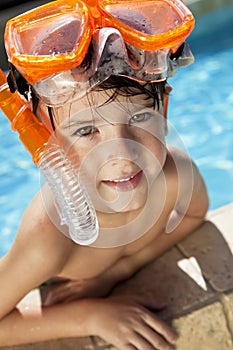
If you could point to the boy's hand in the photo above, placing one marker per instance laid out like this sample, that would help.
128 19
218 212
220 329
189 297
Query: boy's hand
126 323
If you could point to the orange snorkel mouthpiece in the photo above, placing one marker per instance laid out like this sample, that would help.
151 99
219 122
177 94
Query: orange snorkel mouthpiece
33 134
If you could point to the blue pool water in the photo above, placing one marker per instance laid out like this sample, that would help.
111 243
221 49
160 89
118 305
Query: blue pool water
202 104
201 109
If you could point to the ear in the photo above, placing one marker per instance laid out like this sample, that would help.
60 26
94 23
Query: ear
168 90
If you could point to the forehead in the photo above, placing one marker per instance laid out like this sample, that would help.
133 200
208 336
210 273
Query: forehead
96 106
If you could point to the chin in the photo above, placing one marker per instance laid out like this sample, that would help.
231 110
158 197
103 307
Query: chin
135 204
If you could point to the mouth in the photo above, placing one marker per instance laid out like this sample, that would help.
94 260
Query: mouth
125 184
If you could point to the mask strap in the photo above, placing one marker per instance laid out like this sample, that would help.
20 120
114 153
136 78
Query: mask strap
175 56
17 82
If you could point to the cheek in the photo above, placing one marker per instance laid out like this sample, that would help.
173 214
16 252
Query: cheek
156 145
75 145
154 129
76 153
153 157
153 141
85 159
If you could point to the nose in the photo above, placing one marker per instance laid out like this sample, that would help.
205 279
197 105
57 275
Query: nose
121 144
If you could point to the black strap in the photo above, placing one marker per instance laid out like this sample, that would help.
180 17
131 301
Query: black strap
174 56
17 82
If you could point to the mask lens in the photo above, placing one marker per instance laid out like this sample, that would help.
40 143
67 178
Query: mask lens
58 38
51 37
146 17
149 24
149 17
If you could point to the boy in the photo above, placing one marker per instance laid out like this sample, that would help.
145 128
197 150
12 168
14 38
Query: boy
113 130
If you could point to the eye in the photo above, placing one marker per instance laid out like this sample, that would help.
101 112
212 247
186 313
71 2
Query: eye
86 130
139 118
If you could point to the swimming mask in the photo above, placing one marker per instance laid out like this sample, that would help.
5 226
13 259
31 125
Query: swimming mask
142 40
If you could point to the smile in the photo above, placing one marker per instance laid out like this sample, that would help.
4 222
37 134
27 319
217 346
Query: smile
125 184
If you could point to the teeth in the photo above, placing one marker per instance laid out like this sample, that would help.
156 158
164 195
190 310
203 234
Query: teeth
123 180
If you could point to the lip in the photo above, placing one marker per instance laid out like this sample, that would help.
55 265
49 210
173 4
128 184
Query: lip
125 184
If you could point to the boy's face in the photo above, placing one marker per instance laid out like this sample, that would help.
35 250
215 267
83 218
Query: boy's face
118 148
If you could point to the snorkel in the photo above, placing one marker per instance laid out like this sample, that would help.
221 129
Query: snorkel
56 75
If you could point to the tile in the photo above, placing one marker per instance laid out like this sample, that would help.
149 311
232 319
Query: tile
84 343
163 279
58 344
223 219
212 253
100 344
227 301
204 329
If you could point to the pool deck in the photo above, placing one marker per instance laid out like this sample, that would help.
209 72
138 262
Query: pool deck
200 308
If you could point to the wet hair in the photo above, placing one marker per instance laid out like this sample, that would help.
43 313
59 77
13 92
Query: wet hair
122 86
116 86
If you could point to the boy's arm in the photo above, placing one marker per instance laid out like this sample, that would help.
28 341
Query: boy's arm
37 254
113 319
29 263
122 321
35 324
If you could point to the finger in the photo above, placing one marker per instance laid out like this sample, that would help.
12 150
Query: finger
155 339
140 343
130 347
160 327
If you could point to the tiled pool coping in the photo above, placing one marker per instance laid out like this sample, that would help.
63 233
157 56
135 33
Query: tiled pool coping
201 313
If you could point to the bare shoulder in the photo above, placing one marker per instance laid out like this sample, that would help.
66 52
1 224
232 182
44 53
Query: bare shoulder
178 170
179 159
179 162
190 186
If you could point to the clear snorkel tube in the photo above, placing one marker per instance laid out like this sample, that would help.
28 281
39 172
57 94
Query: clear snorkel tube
73 201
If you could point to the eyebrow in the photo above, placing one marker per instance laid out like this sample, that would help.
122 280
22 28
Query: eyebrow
95 120
70 123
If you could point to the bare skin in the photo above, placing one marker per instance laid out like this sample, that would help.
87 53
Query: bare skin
75 306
